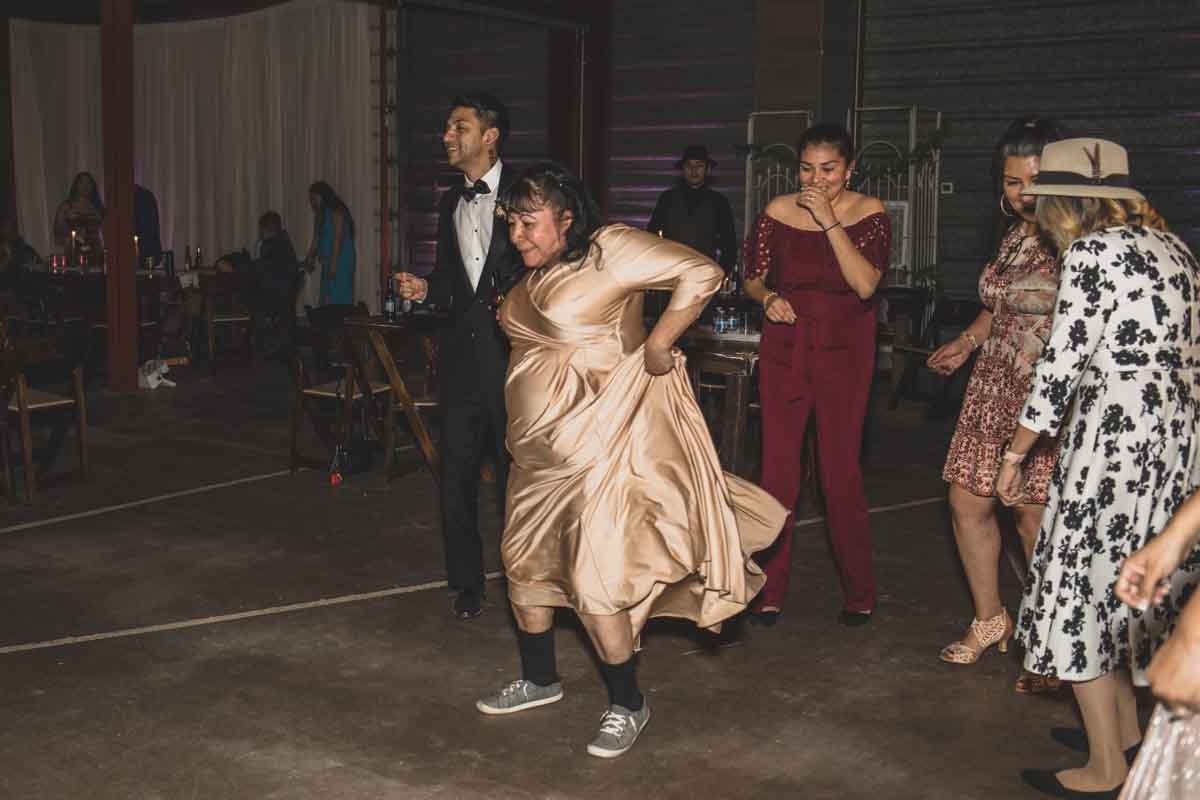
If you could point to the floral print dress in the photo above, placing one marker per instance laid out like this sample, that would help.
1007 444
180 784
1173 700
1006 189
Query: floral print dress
1018 287
1122 374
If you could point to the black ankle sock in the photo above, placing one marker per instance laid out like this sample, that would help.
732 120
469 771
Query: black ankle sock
621 680
537 657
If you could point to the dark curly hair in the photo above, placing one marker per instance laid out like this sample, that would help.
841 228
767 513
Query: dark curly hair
1025 136
830 133
547 184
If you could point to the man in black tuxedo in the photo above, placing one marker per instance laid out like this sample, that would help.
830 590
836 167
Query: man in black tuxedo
475 261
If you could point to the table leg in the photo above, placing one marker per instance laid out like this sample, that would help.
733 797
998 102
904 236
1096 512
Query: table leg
400 391
733 421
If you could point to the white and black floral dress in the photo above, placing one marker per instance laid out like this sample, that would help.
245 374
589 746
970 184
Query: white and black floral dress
1125 346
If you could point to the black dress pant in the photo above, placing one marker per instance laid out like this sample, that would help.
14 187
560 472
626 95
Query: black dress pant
473 428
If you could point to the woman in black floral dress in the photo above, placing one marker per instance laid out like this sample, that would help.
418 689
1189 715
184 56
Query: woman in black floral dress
1124 352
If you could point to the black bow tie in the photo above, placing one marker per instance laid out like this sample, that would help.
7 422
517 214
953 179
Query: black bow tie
480 187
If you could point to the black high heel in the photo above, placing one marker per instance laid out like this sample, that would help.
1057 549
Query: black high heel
854 619
765 619
1046 781
1077 740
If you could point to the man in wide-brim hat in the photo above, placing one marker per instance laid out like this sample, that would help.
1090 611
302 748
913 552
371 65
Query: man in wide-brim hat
693 213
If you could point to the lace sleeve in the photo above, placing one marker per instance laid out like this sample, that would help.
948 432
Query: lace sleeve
757 249
874 240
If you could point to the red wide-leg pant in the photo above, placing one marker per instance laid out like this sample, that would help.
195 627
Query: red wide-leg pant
833 384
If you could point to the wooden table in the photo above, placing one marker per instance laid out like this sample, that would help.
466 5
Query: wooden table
735 358
375 333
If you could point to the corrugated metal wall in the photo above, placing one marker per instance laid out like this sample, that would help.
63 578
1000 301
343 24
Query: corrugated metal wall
449 53
1127 70
682 73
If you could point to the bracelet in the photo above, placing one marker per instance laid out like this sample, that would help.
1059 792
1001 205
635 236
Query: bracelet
836 224
1013 457
766 301
971 340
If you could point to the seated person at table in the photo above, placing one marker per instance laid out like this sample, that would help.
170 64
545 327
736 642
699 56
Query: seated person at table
236 262
145 225
277 270
276 265
82 212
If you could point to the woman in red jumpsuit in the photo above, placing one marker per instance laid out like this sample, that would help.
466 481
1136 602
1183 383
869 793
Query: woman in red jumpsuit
814 259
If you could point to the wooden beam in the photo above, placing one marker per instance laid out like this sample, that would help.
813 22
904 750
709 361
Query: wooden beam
8 164
563 74
596 90
116 44
580 80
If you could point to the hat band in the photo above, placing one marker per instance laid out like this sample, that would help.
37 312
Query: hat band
1075 179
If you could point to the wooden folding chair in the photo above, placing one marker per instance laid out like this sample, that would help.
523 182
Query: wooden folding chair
425 396
40 357
229 301
331 383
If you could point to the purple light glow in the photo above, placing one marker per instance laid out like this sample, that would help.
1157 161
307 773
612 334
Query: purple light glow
658 97
695 126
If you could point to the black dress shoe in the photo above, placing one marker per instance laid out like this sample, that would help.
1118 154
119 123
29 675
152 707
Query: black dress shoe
1046 780
1077 740
468 604
854 618
765 619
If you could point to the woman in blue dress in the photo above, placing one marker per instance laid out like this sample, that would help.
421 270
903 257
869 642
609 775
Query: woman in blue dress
332 244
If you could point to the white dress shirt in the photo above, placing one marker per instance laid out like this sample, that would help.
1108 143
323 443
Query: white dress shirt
473 221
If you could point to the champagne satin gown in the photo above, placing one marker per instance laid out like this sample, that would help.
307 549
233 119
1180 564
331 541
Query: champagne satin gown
616 498
1168 765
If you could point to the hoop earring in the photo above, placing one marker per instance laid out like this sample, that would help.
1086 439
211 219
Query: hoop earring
849 175
1004 210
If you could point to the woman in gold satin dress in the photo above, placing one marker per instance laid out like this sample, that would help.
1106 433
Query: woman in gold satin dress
617 505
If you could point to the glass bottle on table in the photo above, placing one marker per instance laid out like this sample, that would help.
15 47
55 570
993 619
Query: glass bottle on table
389 303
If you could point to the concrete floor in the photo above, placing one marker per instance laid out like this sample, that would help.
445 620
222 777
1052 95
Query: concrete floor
373 698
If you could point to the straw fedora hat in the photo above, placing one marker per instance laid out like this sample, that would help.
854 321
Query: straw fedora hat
1084 167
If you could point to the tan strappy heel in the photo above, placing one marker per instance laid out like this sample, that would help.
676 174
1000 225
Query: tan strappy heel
994 631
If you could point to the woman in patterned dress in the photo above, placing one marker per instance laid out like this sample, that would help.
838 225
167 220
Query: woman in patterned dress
1017 288
1124 353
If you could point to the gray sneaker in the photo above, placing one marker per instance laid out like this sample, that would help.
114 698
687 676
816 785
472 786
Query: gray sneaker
619 729
519 695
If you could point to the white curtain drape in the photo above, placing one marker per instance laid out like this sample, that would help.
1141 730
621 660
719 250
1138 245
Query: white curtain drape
232 117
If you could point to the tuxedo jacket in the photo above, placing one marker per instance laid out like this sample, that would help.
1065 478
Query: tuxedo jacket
472 350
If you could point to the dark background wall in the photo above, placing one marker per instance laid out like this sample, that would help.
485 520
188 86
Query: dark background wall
8 201
438 44
682 74
1124 70
692 70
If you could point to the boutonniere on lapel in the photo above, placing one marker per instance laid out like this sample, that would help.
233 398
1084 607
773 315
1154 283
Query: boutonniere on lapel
496 295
